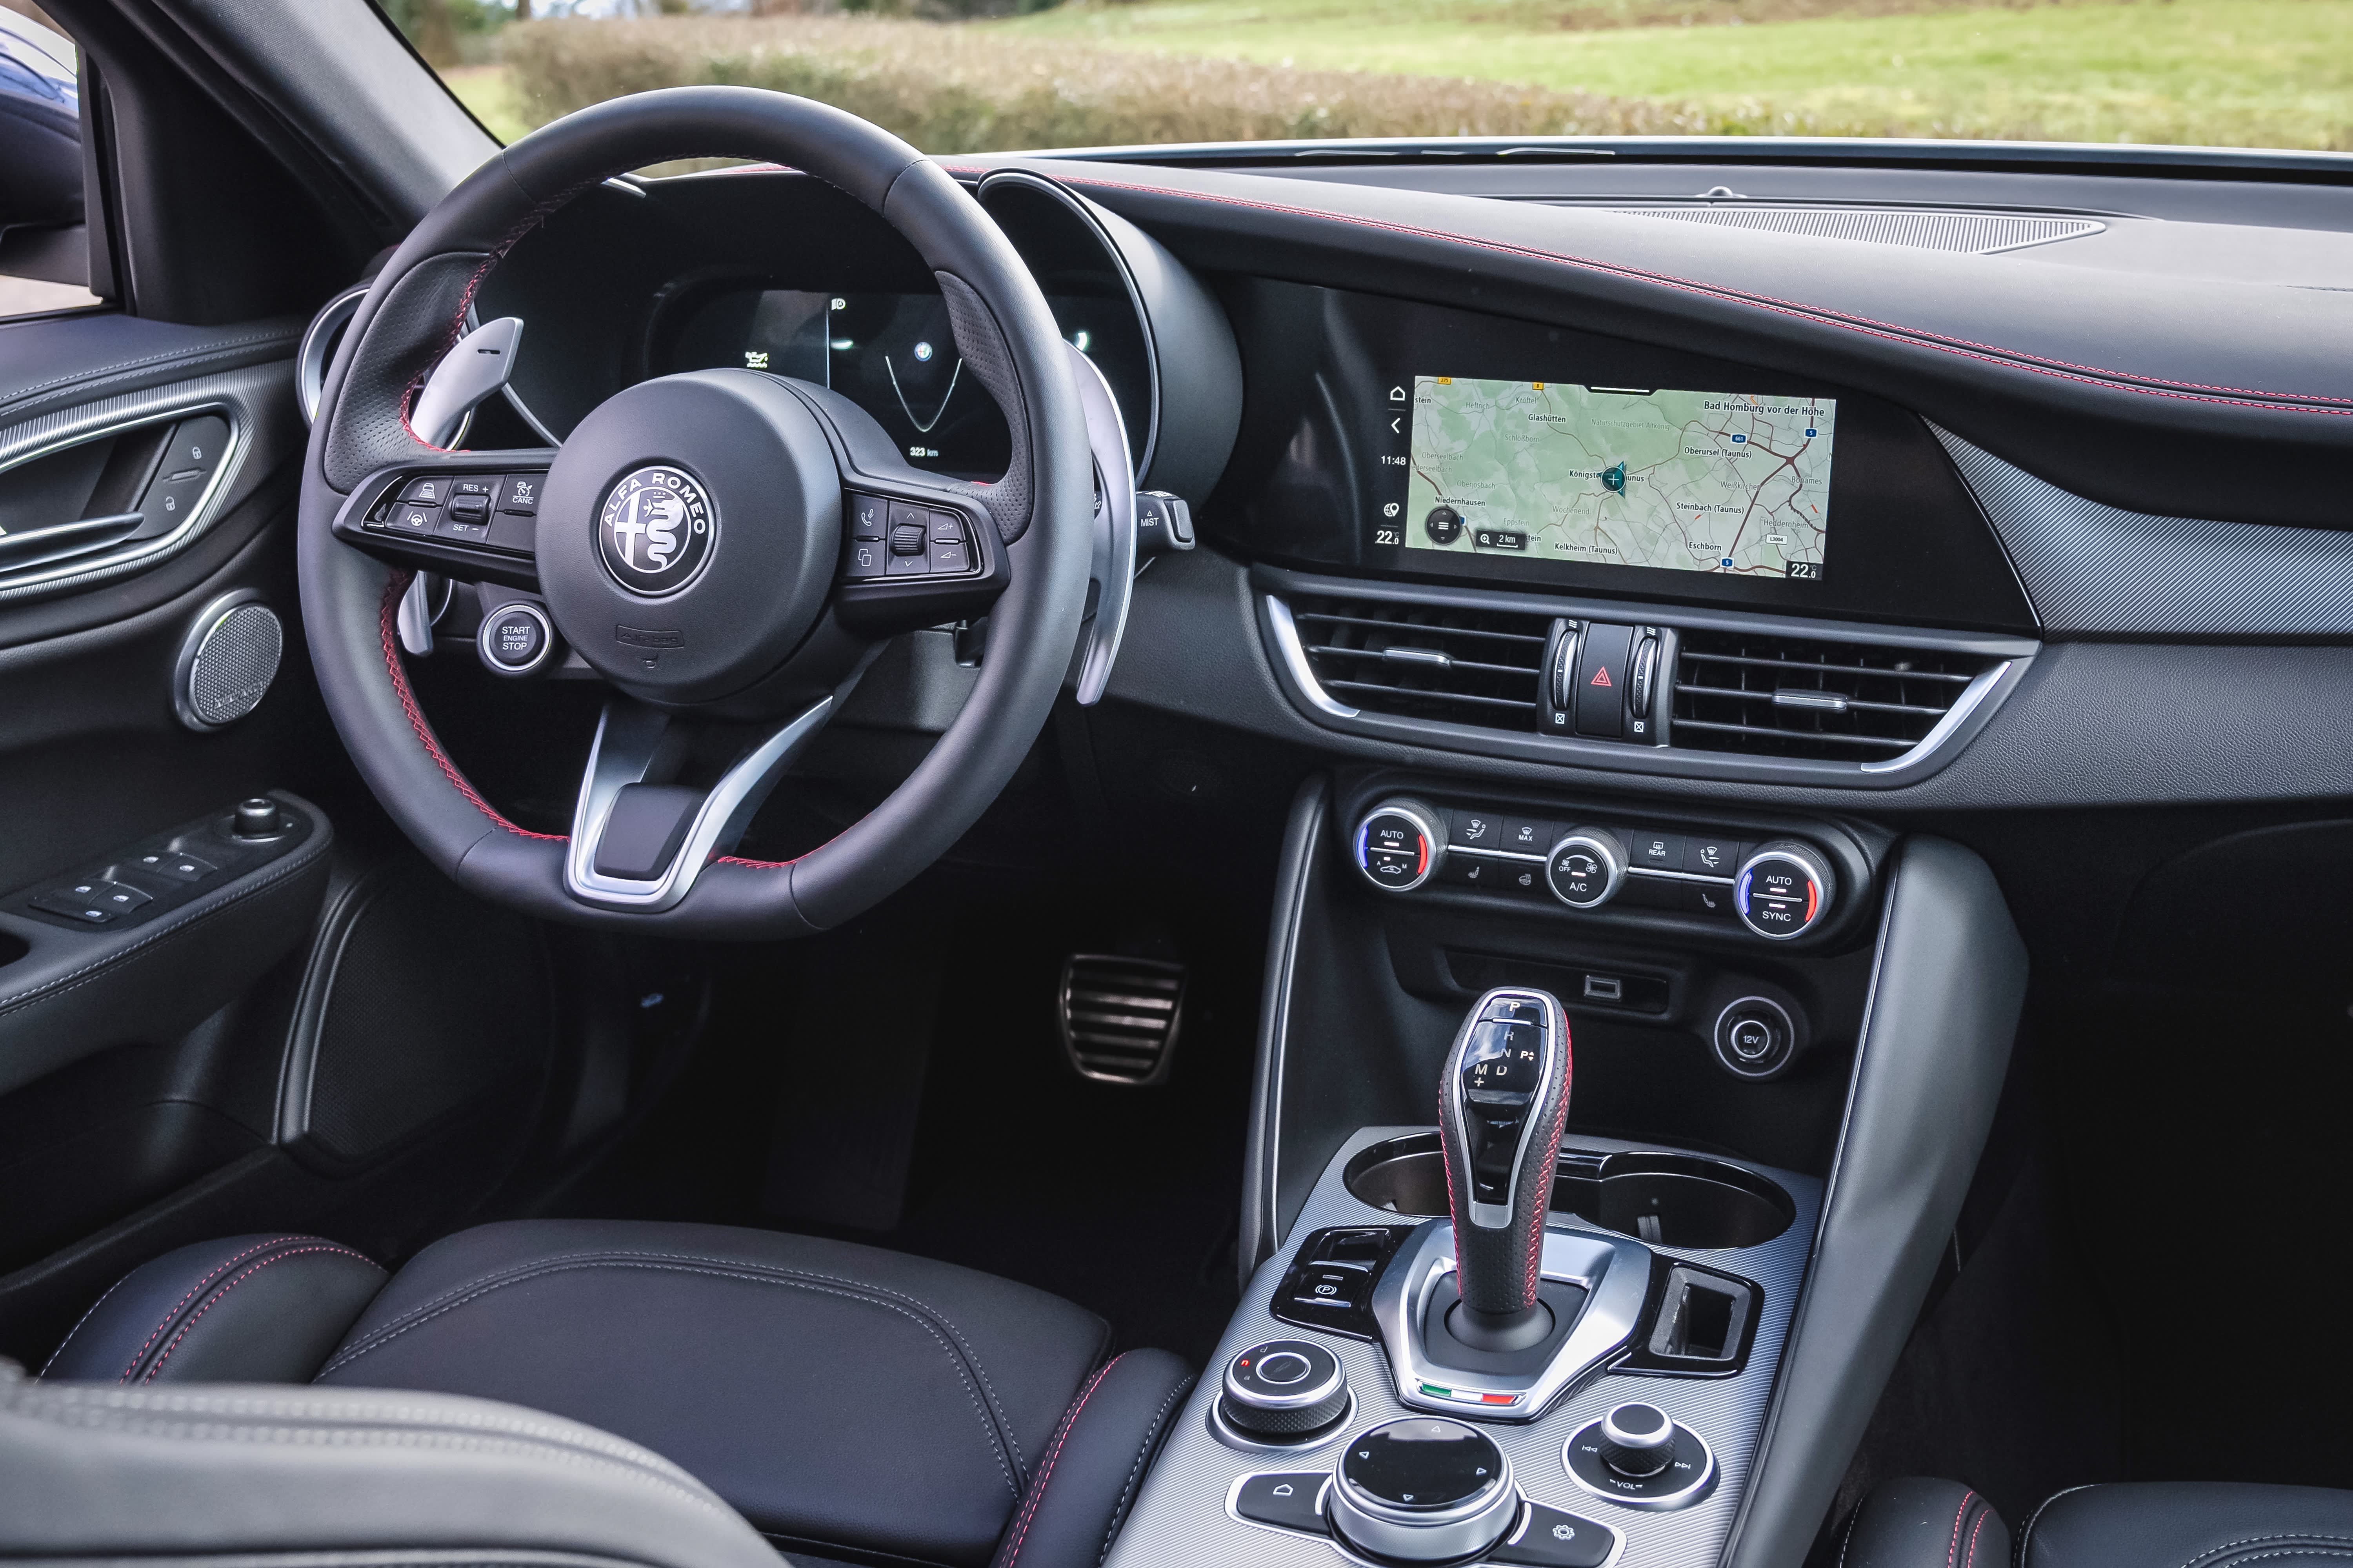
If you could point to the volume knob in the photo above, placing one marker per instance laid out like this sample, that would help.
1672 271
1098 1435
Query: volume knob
1637 1440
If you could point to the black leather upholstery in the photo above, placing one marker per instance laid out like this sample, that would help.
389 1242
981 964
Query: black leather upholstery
253 1309
2190 1524
231 1475
838 1397
1919 1522
1080 1495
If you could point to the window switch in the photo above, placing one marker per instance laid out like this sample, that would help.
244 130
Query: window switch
179 867
73 908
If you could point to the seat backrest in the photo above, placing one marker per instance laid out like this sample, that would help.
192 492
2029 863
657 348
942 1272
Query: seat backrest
255 1472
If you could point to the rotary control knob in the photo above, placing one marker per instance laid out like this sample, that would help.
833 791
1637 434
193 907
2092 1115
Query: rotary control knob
1637 1440
1399 844
1284 1388
1423 1489
1784 889
1586 869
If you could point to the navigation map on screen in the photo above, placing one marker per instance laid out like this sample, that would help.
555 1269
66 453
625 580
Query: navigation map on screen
1691 481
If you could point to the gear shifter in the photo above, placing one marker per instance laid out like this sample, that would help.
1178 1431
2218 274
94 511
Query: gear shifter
1501 1106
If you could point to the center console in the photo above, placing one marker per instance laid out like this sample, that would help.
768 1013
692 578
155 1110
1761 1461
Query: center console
1602 1155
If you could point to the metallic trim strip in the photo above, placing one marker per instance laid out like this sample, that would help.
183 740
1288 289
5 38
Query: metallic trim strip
620 756
1261 1223
310 359
174 403
1943 741
1614 1271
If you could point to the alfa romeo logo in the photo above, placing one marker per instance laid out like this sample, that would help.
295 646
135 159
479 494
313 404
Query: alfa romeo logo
656 531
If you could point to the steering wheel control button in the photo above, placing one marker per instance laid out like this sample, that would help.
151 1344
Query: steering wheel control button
519 494
1284 1389
426 492
1639 1456
1585 868
1286 1499
866 559
1783 890
1551 1538
515 639
1399 844
1423 1489
1755 1037
656 531
915 564
409 517
869 517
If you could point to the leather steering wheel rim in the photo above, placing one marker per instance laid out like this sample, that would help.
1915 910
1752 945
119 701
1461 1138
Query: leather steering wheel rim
415 310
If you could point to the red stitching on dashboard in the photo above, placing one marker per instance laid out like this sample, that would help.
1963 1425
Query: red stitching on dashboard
388 631
2062 370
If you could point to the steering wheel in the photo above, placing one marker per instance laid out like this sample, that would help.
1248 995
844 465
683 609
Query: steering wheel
730 644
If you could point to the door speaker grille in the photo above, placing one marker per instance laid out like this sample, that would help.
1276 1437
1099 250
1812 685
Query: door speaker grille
1120 1016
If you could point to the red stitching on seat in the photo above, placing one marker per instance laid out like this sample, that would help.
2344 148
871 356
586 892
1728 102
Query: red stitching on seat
197 1290
1895 332
1037 1491
154 1371
388 631
1969 1561
1951 1551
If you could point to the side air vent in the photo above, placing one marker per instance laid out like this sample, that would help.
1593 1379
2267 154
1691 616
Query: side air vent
1120 1016
1425 661
1789 696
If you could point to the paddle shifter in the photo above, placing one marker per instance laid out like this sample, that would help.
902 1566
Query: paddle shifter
1501 1106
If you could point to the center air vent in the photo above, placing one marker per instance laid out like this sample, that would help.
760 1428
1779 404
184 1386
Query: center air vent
1425 661
1790 697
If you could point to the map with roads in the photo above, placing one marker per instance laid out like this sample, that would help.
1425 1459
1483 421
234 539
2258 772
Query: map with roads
1694 481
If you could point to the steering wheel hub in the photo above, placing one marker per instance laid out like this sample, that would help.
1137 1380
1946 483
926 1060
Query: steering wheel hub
689 534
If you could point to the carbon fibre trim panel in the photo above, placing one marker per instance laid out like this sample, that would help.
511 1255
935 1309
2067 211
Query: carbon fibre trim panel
1181 1520
2096 569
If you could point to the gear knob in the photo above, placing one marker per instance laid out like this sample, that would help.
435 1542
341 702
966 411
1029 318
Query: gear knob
1501 1105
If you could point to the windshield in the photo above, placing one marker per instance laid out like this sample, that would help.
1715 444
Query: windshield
966 76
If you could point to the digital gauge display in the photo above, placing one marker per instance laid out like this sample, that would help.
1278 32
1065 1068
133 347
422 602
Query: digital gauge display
892 355
1723 482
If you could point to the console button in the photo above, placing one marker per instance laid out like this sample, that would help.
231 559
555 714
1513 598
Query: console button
1712 857
519 493
1528 834
514 638
1601 681
1472 828
1550 1537
1285 1500
1586 867
1655 851
179 867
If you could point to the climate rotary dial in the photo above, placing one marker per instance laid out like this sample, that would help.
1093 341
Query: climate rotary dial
1586 869
1399 844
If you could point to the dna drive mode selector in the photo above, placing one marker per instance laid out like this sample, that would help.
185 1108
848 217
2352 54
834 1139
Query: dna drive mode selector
1283 1389
1399 844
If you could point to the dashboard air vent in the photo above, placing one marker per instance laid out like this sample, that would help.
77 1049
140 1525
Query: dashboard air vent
1790 697
1425 661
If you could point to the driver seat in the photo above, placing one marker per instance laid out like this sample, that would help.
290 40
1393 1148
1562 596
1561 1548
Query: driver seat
839 1397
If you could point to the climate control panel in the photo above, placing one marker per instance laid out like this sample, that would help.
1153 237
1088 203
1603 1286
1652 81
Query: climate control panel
1777 887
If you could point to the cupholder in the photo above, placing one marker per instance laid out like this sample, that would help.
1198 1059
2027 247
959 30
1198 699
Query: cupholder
1673 1200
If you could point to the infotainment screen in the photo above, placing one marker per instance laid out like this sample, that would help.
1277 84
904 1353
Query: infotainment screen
1553 471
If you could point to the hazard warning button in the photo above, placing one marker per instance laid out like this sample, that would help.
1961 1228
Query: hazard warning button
1601 681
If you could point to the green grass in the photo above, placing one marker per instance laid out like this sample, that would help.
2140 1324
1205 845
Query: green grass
2226 72
488 92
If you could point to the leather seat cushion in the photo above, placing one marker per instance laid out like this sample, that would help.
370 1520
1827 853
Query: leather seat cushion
2190 1524
836 1395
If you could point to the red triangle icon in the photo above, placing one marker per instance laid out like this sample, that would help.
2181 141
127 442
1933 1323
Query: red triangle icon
1601 677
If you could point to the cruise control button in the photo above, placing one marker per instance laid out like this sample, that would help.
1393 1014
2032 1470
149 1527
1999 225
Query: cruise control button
519 493
454 527
869 516
475 508
426 492
481 485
